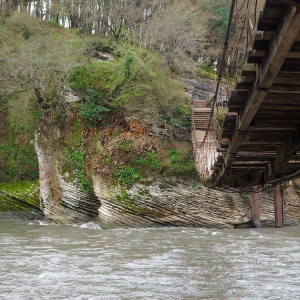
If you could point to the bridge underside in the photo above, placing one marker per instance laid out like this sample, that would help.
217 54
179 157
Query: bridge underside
260 141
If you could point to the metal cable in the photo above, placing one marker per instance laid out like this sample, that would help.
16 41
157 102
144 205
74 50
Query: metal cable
225 48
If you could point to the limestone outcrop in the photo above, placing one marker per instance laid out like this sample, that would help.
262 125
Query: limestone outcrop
163 202
158 201
20 201
62 201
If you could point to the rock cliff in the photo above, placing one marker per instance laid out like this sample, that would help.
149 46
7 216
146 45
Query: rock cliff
163 202
158 201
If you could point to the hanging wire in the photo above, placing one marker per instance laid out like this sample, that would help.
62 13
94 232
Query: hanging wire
225 48
206 149
255 13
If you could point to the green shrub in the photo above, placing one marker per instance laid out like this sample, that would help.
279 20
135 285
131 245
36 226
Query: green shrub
174 155
136 83
54 24
123 195
181 164
128 64
180 116
149 160
127 176
75 160
93 109
221 10
99 76
103 45
126 146
18 159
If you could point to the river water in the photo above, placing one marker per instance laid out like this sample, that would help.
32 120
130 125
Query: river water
44 261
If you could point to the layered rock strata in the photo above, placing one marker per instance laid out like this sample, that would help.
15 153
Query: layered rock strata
62 201
158 202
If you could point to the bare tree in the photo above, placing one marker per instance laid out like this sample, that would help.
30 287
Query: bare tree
179 32
38 62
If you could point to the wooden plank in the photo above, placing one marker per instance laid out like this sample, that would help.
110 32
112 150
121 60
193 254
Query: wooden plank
272 12
288 74
261 44
283 107
295 3
248 70
266 24
279 47
257 56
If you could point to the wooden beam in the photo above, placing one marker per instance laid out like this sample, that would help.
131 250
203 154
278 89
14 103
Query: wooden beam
278 50
278 205
287 30
295 3
258 55
255 208
280 47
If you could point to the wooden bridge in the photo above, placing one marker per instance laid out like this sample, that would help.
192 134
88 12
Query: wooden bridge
259 143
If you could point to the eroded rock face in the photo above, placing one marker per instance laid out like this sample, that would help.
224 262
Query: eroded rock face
20 203
62 201
203 89
160 202
169 203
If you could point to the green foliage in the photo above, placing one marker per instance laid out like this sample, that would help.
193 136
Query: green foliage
26 33
128 64
174 155
102 45
221 10
3 103
122 196
102 77
181 164
76 161
180 116
23 114
139 167
18 119
207 72
54 24
92 109
127 176
148 160
126 146
137 83
18 162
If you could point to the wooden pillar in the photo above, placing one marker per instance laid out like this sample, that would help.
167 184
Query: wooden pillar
255 208
278 205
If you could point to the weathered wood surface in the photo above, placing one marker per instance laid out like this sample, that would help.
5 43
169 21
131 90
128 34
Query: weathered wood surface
264 143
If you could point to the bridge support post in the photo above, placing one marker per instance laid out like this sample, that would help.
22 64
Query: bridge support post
255 208
278 205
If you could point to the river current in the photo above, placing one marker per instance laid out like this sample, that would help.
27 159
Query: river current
46 261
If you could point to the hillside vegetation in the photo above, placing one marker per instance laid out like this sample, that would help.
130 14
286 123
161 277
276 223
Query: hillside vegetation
129 66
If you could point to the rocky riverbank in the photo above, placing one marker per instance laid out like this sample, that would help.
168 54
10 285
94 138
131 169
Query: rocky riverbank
154 200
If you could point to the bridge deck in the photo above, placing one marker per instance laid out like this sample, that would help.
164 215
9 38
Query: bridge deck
261 132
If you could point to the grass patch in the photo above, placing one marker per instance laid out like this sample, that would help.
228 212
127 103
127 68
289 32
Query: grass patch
181 164
127 176
93 108
18 159
129 204
137 83
75 163
19 196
